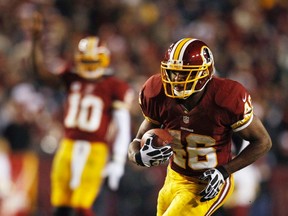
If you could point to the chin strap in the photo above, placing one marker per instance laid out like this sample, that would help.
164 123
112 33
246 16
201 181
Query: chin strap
183 93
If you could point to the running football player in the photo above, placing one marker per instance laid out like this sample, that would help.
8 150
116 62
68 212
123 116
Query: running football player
201 111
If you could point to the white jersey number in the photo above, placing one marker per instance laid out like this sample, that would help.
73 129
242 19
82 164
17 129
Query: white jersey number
84 112
199 152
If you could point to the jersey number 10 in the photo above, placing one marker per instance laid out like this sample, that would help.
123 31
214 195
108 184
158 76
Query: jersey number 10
84 112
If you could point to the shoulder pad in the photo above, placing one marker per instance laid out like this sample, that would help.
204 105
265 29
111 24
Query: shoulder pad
230 95
152 87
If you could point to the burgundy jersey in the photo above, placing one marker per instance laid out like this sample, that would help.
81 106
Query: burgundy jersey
202 136
89 105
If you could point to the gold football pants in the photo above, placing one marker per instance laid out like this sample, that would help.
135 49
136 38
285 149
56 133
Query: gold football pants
180 196
76 173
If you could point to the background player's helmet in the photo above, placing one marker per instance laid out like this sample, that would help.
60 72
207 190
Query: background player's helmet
91 58
192 59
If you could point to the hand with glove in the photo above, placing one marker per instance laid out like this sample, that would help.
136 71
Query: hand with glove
149 156
114 170
216 178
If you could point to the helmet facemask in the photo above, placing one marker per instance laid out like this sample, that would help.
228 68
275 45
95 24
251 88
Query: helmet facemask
191 81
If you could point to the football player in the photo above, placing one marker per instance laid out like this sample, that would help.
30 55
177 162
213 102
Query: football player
201 111
95 100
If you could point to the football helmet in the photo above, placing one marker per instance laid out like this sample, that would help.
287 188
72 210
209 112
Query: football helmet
187 67
91 58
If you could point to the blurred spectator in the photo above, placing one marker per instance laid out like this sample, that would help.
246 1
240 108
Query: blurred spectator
5 167
21 111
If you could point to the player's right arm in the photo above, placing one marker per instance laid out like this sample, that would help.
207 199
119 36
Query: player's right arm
146 155
40 68
148 90
134 146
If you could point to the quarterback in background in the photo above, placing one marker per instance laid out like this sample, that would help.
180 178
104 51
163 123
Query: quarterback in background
201 112
96 101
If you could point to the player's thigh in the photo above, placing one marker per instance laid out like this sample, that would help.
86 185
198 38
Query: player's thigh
91 180
60 174
165 198
180 196
179 203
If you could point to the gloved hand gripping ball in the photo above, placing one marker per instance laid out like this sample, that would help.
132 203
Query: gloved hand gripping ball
155 148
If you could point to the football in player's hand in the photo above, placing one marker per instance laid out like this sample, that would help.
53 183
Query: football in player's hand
161 137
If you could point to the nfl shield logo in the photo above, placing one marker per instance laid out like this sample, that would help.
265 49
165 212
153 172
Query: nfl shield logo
186 119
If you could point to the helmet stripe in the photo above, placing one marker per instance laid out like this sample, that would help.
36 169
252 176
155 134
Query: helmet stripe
92 44
179 48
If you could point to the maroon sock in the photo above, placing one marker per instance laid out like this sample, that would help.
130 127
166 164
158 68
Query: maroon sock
84 212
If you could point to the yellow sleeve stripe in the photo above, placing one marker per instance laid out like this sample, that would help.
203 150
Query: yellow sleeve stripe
120 105
151 120
240 125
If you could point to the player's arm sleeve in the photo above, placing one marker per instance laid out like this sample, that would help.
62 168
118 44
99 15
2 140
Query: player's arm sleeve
122 119
246 117
147 107
122 139
239 107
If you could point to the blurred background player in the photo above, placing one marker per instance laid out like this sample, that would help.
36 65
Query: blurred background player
202 112
96 115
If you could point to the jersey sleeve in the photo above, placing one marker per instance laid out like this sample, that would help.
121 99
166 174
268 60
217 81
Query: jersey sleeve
237 101
149 97
122 94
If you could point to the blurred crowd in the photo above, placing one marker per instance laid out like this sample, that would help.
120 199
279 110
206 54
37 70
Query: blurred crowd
249 40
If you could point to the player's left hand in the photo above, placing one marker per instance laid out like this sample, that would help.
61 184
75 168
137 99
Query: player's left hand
114 170
216 178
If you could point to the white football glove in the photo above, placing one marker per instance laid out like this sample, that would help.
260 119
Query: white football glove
216 178
114 170
149 156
